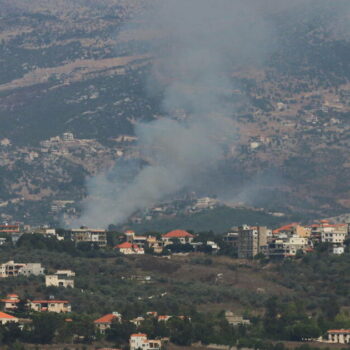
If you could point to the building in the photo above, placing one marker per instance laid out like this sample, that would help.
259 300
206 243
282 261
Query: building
288 246
183 237
339 336
12 269
58 306
140 341
68 136
105 322
62 278
11 302
137 321
164 318
97 236
252 240
128 248
10 229
5 318
235 320
293 229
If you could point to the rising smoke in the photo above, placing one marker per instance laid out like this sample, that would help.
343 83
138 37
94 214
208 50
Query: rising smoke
202 43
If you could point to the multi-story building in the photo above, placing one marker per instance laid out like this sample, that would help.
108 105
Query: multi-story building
97 236
288 246
252 240
62 278
140 341
12 269
58 306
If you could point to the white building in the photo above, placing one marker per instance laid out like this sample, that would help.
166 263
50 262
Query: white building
340 336
140 341
62 278
12 269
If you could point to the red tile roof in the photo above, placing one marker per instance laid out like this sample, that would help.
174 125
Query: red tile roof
339 331
9 300
125 245
106 318
12 295
50 301
7 316
139 335
285 228
177 234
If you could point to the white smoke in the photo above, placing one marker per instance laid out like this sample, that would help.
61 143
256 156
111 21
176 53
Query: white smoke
203 42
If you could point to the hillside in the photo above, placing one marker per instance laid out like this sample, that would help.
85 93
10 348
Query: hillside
82 68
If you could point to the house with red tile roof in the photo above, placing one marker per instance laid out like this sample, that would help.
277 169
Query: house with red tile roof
128 248
11 302
6 318
339 336
140 341
105 322
164 318
177 235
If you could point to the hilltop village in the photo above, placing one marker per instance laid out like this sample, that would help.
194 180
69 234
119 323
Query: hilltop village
43 290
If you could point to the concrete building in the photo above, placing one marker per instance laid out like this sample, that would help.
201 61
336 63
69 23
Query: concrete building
235 320
12 269
58 306
252 240
287 246
140 341
62 278
97 236
339 336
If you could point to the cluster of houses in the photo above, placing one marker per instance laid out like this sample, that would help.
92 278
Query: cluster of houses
136 244
287 240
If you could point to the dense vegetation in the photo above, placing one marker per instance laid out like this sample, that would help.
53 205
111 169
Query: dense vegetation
291 300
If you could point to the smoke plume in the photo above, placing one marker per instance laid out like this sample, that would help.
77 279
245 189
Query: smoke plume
202 42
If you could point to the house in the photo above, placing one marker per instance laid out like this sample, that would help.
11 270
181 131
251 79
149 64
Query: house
235 320
128 248
340 336
177 235
6 318
11 302
105 322
84 234
12 269
62 278
58 306
140 341
164 318
137 321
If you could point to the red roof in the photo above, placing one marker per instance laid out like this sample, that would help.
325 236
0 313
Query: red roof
177 234
106 318
12 295
139 335
339 331
10 300
7 316
125 245
285 228
50 301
